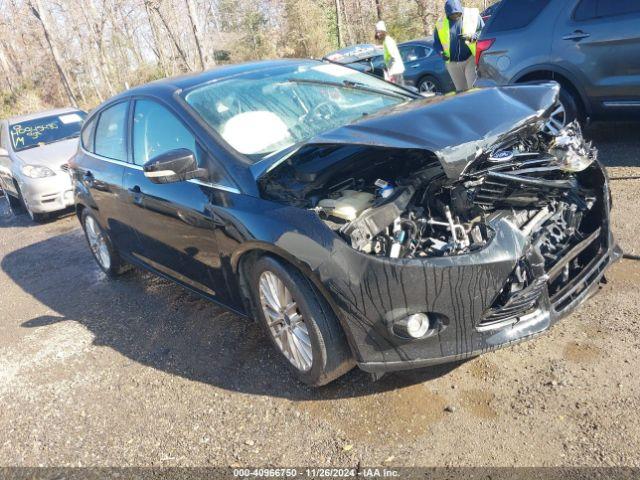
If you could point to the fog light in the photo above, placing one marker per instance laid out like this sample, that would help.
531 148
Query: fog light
413 326
417 325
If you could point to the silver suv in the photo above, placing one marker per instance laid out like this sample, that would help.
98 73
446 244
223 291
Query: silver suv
590 47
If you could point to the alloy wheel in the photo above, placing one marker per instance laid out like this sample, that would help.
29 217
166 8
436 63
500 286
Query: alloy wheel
428 86
286 323
557 119
97 243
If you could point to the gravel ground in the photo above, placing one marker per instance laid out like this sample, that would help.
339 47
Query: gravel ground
139 372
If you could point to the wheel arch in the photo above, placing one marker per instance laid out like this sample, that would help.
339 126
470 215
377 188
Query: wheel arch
251 251
242 258
241 261
560 75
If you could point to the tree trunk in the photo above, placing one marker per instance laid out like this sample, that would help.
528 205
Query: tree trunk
379 9
6 69
157 44
429 11
338 23
91 18
172 37
195 27
38 12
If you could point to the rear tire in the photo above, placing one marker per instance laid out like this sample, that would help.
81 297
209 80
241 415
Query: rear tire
430 84
305 330
101 246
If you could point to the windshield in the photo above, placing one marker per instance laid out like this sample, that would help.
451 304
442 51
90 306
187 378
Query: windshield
41 131
262 112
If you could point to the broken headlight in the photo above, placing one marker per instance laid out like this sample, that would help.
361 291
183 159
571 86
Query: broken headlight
571 151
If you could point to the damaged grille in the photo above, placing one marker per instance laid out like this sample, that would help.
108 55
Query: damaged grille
559 204
518 304
566 243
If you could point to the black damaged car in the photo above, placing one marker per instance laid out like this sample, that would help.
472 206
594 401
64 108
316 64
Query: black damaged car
359 223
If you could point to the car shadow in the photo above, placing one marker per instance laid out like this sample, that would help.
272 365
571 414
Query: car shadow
161 325
8 218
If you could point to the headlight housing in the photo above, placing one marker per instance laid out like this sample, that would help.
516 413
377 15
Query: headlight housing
570 149
37 171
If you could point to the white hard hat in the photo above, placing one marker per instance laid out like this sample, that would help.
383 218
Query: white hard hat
381 26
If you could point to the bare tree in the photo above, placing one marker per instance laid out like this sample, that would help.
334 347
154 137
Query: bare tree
379 9
156 7
338 22
39 13
195 28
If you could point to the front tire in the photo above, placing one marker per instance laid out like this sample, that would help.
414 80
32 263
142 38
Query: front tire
101 246
299 322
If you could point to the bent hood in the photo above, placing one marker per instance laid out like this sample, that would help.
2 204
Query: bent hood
52 155
457 129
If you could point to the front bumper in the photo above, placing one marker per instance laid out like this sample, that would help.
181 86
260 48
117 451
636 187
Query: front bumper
49 194
525 327
370 293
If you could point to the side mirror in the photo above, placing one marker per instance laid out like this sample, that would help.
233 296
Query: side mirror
4 152
173 166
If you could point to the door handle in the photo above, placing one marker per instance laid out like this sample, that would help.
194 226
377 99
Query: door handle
577 35
415 66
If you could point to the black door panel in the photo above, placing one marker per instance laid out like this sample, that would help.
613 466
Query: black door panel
103 181
171 229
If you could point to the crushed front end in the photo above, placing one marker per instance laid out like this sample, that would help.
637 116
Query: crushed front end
438 261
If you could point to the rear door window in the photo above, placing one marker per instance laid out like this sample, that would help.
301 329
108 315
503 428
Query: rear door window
87 135
111 132
590 9
586 10
411 53
618 7
514 14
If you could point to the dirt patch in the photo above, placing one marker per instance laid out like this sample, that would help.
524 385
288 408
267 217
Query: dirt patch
406 412
479 403
484 369
581 352
626 271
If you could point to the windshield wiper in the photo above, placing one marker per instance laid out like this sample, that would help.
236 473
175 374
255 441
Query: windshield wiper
352 85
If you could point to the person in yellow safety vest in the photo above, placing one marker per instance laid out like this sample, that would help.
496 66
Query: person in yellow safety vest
455 38
394 66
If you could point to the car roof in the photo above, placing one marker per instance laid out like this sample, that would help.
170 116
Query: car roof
184 82
45 113
427 41
354 53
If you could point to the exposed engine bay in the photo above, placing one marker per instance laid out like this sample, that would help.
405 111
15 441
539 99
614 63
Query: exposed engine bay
402 205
